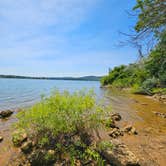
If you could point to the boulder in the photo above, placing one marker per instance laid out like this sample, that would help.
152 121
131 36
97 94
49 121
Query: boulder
116 117
1 139
120 155
26 147
116 133
113 124
5 114
130 130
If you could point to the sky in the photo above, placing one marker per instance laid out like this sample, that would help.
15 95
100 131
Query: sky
64 37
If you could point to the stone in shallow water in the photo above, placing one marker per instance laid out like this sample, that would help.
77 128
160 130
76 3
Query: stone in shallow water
130 130
116 117
5 114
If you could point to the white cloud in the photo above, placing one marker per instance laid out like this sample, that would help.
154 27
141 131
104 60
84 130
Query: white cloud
37 36
25 25
34 13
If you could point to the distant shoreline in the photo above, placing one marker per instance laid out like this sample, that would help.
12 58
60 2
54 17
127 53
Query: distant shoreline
85 78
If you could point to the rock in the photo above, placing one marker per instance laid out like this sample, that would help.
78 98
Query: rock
113 125
26 147
5 114
1 139
77 163
163 115
116 133
127 128
116 117
19 137
133 131
120 155
130 130
160 97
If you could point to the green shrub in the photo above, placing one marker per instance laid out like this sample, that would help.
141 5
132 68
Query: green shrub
159 90
59 122
149 84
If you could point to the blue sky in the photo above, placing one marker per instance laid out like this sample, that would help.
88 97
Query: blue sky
63 37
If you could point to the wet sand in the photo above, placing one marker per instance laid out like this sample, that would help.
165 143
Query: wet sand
150 143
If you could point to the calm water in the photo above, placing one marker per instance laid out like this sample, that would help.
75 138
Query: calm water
15 93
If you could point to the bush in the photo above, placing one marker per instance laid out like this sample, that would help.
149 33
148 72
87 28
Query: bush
146 87
149 84
162 79
61 123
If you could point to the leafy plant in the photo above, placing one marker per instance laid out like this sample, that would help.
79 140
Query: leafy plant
60 122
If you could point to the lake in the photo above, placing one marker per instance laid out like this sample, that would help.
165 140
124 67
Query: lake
137 110
16 93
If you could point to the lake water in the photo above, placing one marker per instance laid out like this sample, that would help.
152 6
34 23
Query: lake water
135 109
16 93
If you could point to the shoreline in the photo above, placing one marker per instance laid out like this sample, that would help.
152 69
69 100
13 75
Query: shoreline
133 142
156 96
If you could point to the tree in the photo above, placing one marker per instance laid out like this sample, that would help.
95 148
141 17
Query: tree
151 17
150 27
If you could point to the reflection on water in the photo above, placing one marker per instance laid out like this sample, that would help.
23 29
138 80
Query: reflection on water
15 93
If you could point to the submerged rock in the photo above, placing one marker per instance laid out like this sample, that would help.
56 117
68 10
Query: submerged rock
120 155
163 115
5 114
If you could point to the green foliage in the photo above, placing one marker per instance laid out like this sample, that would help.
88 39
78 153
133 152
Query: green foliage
159 90
146 87
151 17
126 76
59 123
149 72
149 84
18 137
117 77
142 76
